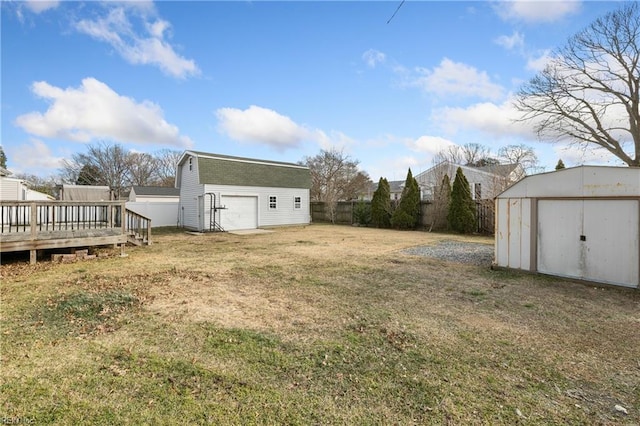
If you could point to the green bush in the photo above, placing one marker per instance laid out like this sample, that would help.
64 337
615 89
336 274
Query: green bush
381 205
462 208
407 215
362 213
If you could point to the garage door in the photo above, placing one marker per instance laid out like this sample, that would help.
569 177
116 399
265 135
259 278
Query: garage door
596 240
240 213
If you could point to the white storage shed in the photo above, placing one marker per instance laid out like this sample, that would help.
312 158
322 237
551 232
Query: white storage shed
220 192
581 222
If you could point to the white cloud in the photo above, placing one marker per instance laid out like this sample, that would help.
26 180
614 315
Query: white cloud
95 111
39 6
147 47
538 63
498 120
373 57
262 125
455 78
430 145
513 42
536 11
32 157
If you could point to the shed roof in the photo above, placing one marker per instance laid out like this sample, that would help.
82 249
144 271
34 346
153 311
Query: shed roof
581 181
156 191
219 169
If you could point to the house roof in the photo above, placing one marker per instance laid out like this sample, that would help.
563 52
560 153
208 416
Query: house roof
219 169
500 170
156 191
394 186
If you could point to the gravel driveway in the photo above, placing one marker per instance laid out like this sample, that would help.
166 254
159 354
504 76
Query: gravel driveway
456 251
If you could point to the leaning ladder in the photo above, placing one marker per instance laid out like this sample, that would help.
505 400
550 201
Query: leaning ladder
214 225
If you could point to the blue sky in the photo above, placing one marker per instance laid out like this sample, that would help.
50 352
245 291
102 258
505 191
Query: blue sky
277 80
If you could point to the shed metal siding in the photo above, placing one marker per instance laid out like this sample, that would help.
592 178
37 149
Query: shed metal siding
582 222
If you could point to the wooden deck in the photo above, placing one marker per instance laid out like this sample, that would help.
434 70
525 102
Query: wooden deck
39 225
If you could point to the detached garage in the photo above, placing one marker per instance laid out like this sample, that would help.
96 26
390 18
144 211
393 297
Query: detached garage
582 222
224 193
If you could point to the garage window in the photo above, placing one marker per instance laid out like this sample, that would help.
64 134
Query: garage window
297 202
273 202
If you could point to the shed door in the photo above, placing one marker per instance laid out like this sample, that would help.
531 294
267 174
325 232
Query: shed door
240 213
596 240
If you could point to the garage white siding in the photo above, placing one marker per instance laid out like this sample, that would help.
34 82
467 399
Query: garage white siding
191 197
239 201
248 193
580 223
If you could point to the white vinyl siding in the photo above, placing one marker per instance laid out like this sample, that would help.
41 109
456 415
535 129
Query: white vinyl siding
190 190
11 189
266 216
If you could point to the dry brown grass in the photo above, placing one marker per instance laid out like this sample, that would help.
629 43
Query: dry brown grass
332 307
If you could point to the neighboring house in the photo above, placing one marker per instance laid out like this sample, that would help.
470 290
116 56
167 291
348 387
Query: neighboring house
14 189
581 222
84 193
157 194
231 193
485 182
160 204
396 187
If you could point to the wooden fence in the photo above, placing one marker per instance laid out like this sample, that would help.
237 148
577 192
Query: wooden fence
344 215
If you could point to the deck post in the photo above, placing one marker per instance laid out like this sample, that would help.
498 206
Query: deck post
33 221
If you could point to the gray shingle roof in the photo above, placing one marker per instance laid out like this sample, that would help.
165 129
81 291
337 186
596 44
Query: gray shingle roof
227 170
158 191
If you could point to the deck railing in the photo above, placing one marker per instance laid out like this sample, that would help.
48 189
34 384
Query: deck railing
138 228
24 221
49 216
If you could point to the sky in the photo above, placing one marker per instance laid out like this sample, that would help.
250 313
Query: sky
390 84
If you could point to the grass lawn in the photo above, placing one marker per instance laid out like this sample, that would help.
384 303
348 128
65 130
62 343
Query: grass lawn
311 325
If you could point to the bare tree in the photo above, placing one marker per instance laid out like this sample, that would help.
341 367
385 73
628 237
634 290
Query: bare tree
166 161
335 177
143 169
520 154
589 93
111 162
469 154
36 183
452 154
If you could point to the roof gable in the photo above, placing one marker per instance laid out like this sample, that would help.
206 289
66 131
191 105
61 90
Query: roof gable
217 169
